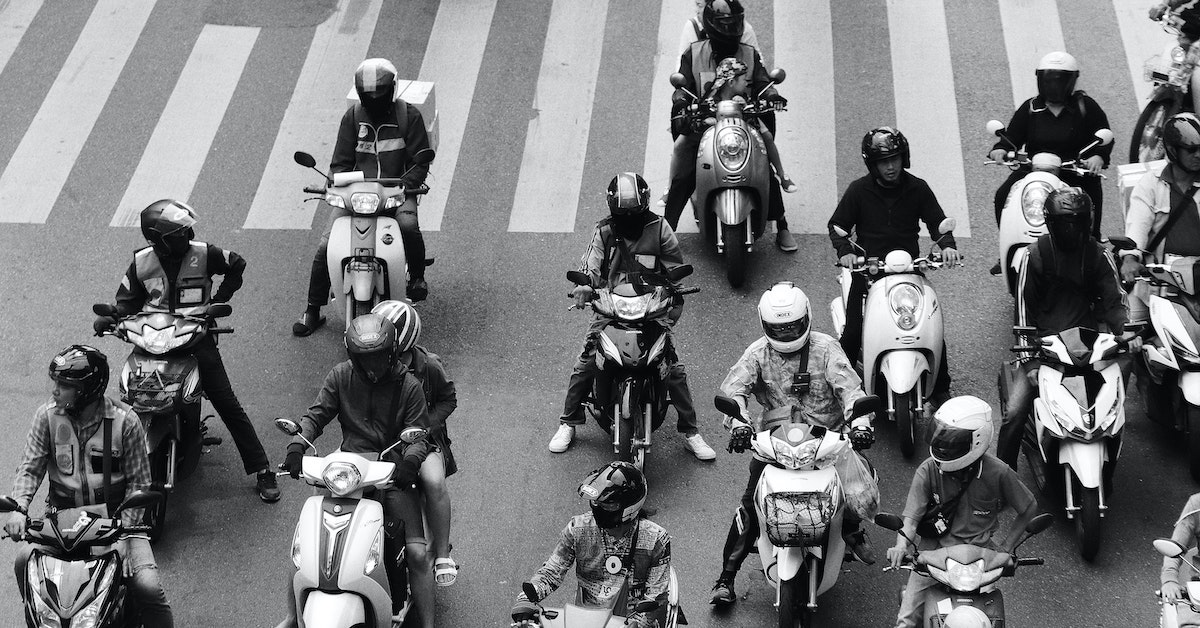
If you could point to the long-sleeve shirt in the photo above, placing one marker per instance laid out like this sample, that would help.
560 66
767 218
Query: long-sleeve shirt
131 295
583 543
382 148
1187 534
656 250
1058 290
39 448
1040 131
440 394
887 219
1153 199
768 375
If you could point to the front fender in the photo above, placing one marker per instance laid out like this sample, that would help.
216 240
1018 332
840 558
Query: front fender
788 561
1085 459
361 283
902 369
733 206
333 610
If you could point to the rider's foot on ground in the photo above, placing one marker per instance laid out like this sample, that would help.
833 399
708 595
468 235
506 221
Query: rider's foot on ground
268 487
786 241
995 270
787 185
562 438
445 571
722 593
308 323
859 546
418 290
695 444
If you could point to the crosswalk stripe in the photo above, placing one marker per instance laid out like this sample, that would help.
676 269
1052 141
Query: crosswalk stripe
311 120
1031 30
657 165
806 132
452 61
15 18
34 177
547 195
181 141
926 105
1141 38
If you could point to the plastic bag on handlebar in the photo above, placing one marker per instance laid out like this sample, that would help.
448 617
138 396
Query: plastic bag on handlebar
860 486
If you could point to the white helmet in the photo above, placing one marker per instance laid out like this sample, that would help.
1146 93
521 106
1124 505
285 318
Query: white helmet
967 617
1058 60
406 319
786 317
962 431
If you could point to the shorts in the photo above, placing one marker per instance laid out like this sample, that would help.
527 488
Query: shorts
403 507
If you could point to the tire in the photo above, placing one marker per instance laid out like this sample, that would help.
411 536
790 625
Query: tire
1087 522
791 601
623 412
1192 417
907 411
735 256
156 516
1146 143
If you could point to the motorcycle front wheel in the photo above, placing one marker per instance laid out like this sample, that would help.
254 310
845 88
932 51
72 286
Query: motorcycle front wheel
736 254
1147 133
793 608
156 515
907 408
1087 521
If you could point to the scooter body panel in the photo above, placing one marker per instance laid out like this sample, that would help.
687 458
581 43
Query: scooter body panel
750 177
882 333
375 239
783 563
335 536
1016 229
67 586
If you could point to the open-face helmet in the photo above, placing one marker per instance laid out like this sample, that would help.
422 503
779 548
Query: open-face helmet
168 226
1056 75
375 82
371 346
406 320
786 317
616 492
85 369
1181 132
884 142
1068 214
962 431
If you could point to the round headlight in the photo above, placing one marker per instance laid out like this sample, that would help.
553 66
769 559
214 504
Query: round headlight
1033 201
732 147
905 300
341 478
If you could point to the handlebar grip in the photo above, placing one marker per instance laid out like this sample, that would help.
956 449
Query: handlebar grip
688 290
312 189
221 330
423 189
1023 348
1031 561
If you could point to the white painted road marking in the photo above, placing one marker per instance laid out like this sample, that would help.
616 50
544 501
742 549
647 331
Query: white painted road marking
1031 30
15 18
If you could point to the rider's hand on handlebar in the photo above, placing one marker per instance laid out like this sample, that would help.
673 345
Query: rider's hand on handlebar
776 101
103 324
998 154
405 474
1094 164
896 554
582 295
739 437
950 256
294 463
1171 592
15 526
1157 11
1131 268
862 438
524 611
847 260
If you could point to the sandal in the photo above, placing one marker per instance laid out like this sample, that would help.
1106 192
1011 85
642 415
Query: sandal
445 571
307 325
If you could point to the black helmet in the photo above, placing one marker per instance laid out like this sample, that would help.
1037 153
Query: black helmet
1181 130
724 21
1068 214
167 225
628 195
1056 75
883 142
371 345
83 368
375 82
616 492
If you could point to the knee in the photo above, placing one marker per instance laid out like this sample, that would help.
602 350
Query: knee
418 557
147 585
408 222
433 483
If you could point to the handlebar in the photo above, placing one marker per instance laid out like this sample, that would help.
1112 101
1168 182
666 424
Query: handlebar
312 189
1072 166
417 191
1031 561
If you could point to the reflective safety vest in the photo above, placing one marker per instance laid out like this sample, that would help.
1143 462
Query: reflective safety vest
704 67
380 148
77 472
192 288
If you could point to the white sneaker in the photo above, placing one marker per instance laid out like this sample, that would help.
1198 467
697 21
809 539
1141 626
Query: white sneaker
696 444
562 438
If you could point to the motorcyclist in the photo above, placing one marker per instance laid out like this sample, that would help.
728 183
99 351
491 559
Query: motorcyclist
441 400
380 136
1188 14
630 230
174 274
792 372
615 550
885 209
694 31
1067 280
1186 533
374 399
67 432
1059 120
724 23
971 489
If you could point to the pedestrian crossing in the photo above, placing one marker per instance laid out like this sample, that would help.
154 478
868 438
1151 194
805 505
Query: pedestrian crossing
923 82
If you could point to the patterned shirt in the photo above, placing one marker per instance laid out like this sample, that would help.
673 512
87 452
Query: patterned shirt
1187 534
39 449
583 542
768 374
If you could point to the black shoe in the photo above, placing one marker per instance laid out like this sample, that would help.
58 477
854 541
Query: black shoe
859 547
417 290
308 323
996 270
722 593
268 487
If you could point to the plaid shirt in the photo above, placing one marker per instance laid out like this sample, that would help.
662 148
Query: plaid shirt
768 374
39 450
583 543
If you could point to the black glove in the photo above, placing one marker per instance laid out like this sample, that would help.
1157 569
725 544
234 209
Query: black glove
524 611
103 324
294 463
776 101
739 438
405 474
862 437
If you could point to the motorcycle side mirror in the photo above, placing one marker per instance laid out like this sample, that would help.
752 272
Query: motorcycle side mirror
727 406
304 159
140 499
947 225
649 606
530 592
287 426
841 233
8 504
679 272
889 521
866 405
1122 243
578 278
1169 548
220 310
777 75
1039 523
411 435
678 81
1105 136
995 127
424 156
104 309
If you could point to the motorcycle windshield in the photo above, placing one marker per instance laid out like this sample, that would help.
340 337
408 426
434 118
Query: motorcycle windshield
72 588
1078 343
160 332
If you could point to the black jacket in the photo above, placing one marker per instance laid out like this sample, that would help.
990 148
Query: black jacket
887 219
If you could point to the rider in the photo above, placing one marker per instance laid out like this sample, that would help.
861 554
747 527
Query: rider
885 209
381 136
630 230
616 550
374 400
441 400
1186 533
1059 120
66 433
724 23
1067 280
789 369
694 31
973 486
1188 12
174 274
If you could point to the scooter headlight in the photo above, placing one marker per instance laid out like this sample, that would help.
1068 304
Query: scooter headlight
341 478
160 341
296 548
1182 348
1178 54
630 308
733 147
964 577
374 554
46 615
1033 199
796 457
335 200
907 302
364 202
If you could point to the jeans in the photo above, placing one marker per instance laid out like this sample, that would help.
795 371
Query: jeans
1091 185
215 382
141 577
410 234
683 183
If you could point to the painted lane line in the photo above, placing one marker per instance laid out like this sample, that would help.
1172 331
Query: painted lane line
672 22
1143 39
547 194
311 120
181 141
38 170
1031 30
15 18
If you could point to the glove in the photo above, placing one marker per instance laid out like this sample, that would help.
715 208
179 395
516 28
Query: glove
524 611
776 101
998 154
739 437
1131 268
294 463
847 260
103 324
862 438
405 474
15 526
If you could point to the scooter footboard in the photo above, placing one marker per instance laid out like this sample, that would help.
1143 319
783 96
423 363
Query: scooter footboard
902 369
939 603
334 610
1085 459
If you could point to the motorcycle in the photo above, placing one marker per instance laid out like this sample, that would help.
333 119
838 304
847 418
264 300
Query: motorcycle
733 174
75 576
161 383
800 504
1078 420
966 575
338 548
1168 613
576 616
1019 229
366 251
902 332
629 396
1171 74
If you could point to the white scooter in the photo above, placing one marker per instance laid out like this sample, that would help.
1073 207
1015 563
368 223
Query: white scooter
576 616
902 335
1169 613
1078 421
365 257
800 505
338 549
1022 221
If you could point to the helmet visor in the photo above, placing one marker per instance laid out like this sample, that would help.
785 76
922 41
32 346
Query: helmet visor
1070 233
949 443
728 25
375 366
787 332
1055 85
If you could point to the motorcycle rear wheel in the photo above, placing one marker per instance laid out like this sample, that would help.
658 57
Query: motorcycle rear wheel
793 609
1087 521
1146 144
736 254
907 409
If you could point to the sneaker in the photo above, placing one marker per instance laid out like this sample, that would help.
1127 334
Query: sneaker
417 289
722 593
859 547
695 444
562 438
786 241
268 487
995 270
787 185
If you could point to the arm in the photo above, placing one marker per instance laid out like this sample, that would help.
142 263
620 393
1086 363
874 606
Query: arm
323 410
1139 220
845 382
231 266
445 396
846 217
592 260
32 468
1029 289
131 295
919 493
416 139
759 79
137 464
1112 305
932 215
1095 120
345 158
415 415
669 255
680 98
658 580
739 383
1017 130
1017 496
1184 534
550 575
